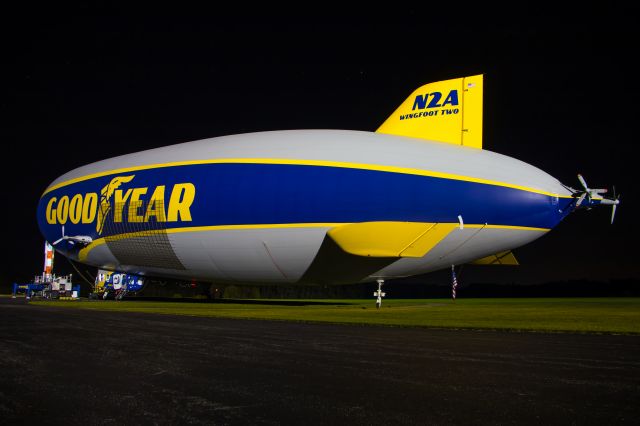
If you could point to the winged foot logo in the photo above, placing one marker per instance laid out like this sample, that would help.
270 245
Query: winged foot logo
105 199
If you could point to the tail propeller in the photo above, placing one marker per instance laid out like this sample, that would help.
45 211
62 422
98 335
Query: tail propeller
616 200
595 196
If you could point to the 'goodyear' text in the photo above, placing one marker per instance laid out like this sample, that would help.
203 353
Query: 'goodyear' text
131 205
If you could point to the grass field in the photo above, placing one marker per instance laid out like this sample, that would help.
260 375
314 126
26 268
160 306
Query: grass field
591 315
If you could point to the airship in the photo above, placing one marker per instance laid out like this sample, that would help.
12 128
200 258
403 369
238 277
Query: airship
314 206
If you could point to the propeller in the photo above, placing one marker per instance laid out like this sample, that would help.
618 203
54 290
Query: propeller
588 192
598 194
81 239
583 182
61 238
64 237
615 205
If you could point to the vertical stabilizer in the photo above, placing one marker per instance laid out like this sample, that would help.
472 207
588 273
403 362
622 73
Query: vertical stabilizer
446 111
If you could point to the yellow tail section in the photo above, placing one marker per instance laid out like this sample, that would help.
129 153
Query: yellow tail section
446 111
502 258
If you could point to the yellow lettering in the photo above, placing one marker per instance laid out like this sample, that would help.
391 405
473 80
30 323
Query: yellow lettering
89 207
182 197
75 209
51 212
156 205
135 204
63 210
119 204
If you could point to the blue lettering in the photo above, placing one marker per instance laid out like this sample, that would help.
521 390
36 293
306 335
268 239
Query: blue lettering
420 102
451 99
434 100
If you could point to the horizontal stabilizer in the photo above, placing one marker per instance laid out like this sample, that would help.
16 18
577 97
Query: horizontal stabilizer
390 239
502 258
445 111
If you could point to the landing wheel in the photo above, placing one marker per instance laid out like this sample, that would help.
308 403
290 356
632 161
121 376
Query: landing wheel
379 294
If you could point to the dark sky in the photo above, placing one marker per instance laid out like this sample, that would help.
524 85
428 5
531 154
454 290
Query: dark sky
81 85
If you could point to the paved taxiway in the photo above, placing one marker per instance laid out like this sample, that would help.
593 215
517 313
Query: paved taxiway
68 366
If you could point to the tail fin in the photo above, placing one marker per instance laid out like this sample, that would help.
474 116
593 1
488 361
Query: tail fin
446 111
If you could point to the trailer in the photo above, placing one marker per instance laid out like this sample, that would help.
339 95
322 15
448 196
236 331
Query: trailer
48 287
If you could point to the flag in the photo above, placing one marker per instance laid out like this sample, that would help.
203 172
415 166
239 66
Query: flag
454 283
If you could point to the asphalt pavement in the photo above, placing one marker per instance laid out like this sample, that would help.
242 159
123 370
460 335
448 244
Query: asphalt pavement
69 366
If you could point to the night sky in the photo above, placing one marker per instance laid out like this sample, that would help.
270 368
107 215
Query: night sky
82 85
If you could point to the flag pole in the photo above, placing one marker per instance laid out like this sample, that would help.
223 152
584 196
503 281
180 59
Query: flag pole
454 283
